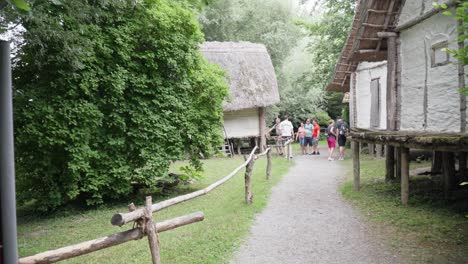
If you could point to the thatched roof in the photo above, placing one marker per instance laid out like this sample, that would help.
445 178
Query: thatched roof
252 76
363 44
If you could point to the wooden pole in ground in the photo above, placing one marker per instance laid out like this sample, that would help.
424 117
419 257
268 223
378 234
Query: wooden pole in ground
370 148
390 163
151 232
398 163
448 164
462 166
268 168
436 166
404 152
248 180
356 164
378 150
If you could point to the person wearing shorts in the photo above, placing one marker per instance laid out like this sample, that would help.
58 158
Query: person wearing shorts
331 139
342 128
287 132
308 128
300 136
315 138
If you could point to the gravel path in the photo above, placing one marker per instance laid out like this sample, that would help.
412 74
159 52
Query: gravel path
307 221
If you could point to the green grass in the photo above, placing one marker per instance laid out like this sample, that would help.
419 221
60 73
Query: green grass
226 224
428 230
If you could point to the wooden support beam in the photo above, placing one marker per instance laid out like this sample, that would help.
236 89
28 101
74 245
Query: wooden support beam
87 247
448 165
369 55
398 161
462 162
436 166
262 127
390 163
356 165
370 148
404 175
378 150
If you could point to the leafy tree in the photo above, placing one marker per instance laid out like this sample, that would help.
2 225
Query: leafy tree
262 21
107 93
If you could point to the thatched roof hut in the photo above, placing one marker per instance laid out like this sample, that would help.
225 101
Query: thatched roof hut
252 76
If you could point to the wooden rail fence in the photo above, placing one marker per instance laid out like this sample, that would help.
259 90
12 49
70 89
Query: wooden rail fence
143 218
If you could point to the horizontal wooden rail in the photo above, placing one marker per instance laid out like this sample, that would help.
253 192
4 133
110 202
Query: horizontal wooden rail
83 248
262 154
123 218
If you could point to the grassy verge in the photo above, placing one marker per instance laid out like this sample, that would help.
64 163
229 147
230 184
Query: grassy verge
429 230
227 221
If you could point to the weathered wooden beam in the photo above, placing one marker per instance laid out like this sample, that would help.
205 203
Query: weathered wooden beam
356 165
262 127
378 150
436 166
151 232
268 168
87 247
390 163
398 161
448 164
248 180
370 148
371 55
404 175
123 218
386 21
462 162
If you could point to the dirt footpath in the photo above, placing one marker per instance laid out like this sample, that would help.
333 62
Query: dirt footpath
307 221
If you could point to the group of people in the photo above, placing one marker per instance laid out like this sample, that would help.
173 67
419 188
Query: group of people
308 135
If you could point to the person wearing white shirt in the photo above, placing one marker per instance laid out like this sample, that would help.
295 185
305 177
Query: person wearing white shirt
287 132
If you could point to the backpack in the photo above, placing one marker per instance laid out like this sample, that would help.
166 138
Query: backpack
343 129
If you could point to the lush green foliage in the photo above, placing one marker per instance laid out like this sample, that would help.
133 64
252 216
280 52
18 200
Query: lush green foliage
261 21
227 221
327 36
107 93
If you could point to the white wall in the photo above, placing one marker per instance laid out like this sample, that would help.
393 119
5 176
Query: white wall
416 8
242 124
365 72
441 82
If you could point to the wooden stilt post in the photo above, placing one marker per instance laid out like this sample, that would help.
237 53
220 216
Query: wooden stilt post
356 164
404 152
448 164
436 166
268 169
378 150
151 232
370 148
390 163
248 180
462 166
398 163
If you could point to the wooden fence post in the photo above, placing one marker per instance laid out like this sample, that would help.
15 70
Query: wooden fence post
404 175
151 232
268 168
370 149
356 164
248 180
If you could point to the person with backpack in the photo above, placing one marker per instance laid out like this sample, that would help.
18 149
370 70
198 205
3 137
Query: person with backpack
343 131
332 134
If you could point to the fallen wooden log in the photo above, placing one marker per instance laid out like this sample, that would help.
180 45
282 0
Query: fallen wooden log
83 248
123 218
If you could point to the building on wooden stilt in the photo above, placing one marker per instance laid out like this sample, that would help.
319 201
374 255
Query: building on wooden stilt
404 87
253 87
